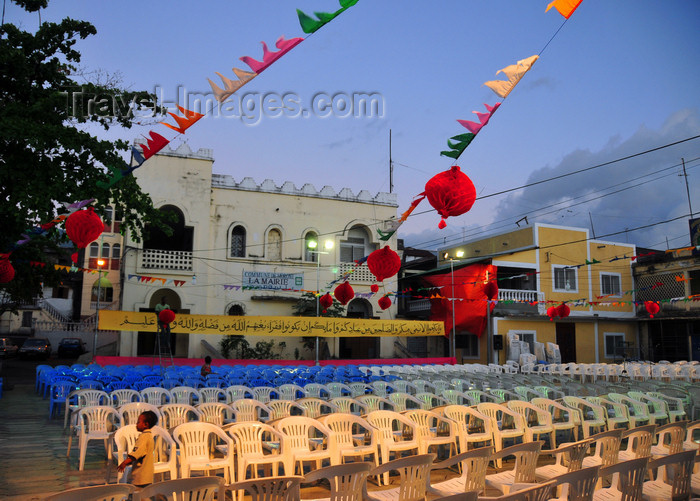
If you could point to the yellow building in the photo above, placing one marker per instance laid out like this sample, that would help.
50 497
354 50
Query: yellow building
541 266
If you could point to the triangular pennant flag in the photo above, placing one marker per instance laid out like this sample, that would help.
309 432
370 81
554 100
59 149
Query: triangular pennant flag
310 25
154 145
270 57
513 73
458 147
184 123
231 86
564 7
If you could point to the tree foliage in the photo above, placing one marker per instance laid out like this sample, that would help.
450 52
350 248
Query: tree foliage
48 152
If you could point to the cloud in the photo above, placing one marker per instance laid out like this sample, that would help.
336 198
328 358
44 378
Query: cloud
659 193
633 193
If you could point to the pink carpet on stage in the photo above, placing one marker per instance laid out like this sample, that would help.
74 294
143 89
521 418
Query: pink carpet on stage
225 361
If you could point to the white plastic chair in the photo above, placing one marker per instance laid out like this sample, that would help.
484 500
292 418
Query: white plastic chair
165 449
523 472
124 396
473 465
433 430
472 426
563 417
155 395
94 423
284 408
669 439
538 422
215 412
211 394
249 439
315 407
269 489
671 478
184 395
197 488
197 442
249 409
567 457
607 447
590 417
110 492
297 445
129 413
639 442
505 424
290 392
348 482
237 392
396 434
349 405
350 437
176 414
264 393
375 402
316 390
627 478
414 472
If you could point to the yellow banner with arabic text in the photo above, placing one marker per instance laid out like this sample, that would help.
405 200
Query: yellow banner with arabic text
270 326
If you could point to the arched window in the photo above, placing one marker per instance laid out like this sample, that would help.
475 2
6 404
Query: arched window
238 242
274 245
236 310
108 219
308 254
355 246
94 249
116 251
102 288
105 251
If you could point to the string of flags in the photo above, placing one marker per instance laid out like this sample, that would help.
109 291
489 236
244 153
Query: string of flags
156 142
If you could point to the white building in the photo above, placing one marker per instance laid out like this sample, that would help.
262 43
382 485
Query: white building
228 233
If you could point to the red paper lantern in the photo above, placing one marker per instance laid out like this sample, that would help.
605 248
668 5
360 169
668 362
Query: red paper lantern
325 301
7 272
652 308
552 312
451 193
83 227
374 288
344 293
384 302
384 263
166 316
491 290
563 310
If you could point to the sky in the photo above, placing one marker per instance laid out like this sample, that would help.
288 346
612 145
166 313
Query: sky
615 80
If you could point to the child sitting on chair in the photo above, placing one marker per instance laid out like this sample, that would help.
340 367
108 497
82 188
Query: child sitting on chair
141 459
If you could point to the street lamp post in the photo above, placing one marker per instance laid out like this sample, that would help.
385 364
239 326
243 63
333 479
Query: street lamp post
453 343
100 264
328 245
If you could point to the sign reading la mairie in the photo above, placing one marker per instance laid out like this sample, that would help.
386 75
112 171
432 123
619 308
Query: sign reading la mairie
273 281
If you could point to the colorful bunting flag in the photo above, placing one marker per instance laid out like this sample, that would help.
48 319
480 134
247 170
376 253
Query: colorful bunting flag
231 86
564 7
270 57
184 123
513 73
311 25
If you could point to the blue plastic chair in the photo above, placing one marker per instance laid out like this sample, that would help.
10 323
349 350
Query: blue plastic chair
58 392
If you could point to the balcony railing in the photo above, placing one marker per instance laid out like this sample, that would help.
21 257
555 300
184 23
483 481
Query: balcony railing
517 296
361 273
164 260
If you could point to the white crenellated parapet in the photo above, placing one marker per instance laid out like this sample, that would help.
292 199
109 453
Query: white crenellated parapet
182 151
308 190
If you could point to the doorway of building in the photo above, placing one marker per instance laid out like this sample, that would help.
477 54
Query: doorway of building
352 348
146 343
566 339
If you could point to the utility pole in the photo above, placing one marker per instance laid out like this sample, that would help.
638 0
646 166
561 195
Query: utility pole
592 229
687 190
391 167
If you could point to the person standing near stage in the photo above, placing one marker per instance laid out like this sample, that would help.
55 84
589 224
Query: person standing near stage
160 307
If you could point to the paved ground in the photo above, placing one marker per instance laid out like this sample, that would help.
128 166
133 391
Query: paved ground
33 447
